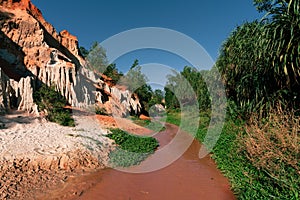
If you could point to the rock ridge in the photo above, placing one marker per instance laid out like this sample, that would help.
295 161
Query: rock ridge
33 53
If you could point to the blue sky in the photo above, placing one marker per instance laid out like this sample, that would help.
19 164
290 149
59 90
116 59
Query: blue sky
207 22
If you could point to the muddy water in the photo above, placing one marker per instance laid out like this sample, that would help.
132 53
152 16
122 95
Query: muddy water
188 178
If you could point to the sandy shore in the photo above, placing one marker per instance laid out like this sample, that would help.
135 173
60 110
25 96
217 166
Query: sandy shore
36 155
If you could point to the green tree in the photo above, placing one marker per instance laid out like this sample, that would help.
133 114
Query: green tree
170 99
134 78
83 51
96 58
281 42
157 97
136 82
112 72
180 86
243 71
97 61
188 86
135 64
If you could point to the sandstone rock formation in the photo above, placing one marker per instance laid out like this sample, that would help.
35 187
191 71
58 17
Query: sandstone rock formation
157 110
116 101
2 93
33 53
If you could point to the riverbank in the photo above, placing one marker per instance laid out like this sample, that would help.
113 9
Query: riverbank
42 160
36 155
240 154
187 178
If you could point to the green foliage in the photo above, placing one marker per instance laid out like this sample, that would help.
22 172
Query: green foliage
47 98
97 61
135 64
136 82
170 99
181 87
186 88
112 72
247 180
96 58
242 70
131 149
145 94
157 97
260 61
83 51
134 79
263 5
100 111
270 6
174 117
281 42
133 143
154 125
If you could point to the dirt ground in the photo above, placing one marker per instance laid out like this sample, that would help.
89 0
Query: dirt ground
38 156
122 123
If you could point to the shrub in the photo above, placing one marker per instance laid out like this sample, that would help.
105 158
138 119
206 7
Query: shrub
101 111
47 98
259 61
131 149
272 145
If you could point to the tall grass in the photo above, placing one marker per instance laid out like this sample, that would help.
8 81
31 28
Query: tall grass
272 145
260 157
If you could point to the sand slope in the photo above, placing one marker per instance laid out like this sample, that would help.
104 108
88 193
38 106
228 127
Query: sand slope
36 154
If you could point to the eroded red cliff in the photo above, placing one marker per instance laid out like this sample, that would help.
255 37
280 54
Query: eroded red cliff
33 52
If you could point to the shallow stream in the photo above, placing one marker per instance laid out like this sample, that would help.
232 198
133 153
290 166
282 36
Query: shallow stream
188 178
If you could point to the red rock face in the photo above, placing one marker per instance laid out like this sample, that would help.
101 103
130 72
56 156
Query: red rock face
31 49
64 37
23 5
26 45
69 41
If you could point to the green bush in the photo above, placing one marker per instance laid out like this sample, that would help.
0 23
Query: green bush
247 179
47 98
259 61
101 111
131 149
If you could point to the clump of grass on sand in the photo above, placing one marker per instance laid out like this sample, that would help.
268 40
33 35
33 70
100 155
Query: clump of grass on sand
131 149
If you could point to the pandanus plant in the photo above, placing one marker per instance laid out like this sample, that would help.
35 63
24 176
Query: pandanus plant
259 61
282 43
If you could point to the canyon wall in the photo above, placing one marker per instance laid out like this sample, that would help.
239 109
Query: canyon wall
33 53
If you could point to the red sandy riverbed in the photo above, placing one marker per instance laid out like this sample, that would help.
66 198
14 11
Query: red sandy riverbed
188 178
